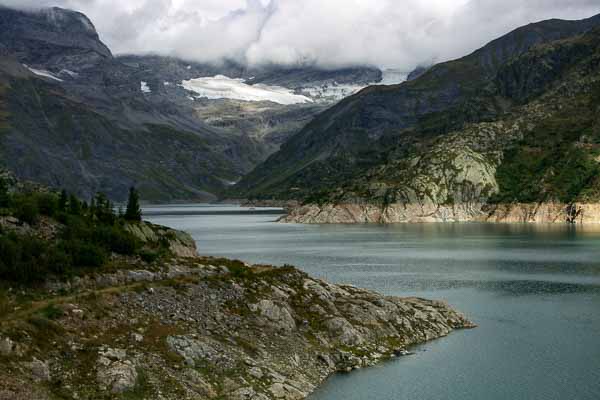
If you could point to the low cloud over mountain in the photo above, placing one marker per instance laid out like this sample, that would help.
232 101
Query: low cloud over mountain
387 33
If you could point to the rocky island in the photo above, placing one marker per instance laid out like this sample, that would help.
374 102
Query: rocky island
146 317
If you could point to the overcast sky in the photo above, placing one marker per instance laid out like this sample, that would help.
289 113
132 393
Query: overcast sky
388 33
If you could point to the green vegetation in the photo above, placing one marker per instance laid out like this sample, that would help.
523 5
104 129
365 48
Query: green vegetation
556 161
133 212
4 198
60 235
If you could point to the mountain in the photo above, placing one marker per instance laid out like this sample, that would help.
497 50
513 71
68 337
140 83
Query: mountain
459 133
268 121
73 115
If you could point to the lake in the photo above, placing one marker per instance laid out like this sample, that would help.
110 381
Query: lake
533 290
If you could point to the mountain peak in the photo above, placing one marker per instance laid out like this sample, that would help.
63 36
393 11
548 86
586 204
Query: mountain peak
68 20
45 36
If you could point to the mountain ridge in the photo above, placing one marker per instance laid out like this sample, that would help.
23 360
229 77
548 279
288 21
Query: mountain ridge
380 124
77 117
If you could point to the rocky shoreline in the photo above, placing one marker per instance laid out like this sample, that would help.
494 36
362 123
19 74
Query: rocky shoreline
547 213
201 328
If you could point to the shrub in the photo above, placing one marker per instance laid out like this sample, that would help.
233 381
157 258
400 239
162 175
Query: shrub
22 258
47 204
58 261
5 305
9 257
51 312
149 256
75 205
4 196
85 254
26 210
115 239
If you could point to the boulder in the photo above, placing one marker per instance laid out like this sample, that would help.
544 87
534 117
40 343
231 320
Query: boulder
40 370
194 349
115 371
7 346
119 376
341 329
280 316
286 392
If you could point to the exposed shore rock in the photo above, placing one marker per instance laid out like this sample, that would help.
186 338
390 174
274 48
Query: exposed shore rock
430 212
181 244
205 329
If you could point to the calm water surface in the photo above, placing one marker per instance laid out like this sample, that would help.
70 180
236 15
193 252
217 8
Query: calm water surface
534 291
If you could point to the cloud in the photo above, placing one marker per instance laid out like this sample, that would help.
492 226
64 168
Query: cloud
388 33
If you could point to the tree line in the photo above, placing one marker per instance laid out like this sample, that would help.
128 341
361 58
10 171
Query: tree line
88 233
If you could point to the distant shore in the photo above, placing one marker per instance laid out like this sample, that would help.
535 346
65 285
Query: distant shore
545 213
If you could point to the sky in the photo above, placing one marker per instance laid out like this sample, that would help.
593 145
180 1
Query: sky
400 34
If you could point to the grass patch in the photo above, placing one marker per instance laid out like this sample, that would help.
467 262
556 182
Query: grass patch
51 312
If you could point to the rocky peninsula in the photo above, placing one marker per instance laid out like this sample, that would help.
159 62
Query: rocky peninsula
191 327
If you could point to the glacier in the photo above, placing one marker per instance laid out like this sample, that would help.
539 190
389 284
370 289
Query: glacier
223 87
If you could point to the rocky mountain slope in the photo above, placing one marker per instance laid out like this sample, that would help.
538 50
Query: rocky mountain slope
72 115
177 325
514 122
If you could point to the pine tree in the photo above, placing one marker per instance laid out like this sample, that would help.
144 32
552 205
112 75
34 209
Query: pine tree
92 208
63 200
4 197
133 211
74 205
104 211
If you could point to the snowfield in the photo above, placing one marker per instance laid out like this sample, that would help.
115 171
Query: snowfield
223 87
44 73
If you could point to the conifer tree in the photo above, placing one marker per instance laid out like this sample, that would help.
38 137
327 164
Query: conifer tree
4 197
62 200
74 205
133 211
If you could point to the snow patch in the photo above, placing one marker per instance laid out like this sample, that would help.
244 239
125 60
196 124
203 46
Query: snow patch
68 73
223 87
144 87
44 73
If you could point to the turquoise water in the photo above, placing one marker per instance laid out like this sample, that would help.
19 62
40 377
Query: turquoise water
534 291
